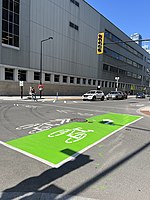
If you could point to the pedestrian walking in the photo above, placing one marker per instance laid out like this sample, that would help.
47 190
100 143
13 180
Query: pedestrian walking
33 94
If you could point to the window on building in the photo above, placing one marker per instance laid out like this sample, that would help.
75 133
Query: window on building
47 77
84 81
110 84
89 81
129 61
129 74
36 76
140 66
148 60
135 64
114 69
106 82
94 82
9 74
73 26
75 2
105 67
10 22
121 71
56 78
71 79
64 79
78 80
22 75
134 75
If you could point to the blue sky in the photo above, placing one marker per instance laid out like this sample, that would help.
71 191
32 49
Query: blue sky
131 16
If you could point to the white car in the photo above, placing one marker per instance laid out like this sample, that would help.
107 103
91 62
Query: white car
92 95
115 95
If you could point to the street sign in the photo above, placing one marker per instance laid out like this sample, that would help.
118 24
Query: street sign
40 87
20 83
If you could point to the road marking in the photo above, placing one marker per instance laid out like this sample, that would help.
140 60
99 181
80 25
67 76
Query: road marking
85 109
26 106
49 150
74 113
37 127
28 154
62 111
74 135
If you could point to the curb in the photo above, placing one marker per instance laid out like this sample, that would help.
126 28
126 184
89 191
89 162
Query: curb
145 110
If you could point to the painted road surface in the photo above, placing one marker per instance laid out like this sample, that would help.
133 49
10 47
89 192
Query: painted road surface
60 144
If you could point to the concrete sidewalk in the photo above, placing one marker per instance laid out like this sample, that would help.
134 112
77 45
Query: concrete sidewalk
44 98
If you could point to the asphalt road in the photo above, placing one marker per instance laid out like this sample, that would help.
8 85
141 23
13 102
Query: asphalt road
117 168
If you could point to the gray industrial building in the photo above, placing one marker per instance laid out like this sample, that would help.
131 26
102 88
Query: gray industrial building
70 65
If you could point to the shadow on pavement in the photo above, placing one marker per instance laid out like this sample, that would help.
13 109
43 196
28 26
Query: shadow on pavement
38 184
105 172
35 184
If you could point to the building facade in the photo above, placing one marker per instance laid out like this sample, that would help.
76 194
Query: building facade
146 47
70 65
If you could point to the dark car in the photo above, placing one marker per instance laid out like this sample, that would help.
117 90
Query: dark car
148 94
140 95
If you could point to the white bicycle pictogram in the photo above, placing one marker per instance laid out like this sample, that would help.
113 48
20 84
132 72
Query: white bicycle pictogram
43 126
75 134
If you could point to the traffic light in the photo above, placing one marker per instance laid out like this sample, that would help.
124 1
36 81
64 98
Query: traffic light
100 43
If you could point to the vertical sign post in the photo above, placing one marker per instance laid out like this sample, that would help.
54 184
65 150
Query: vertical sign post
21 88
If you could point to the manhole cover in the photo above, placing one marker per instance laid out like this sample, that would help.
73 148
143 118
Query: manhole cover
78 120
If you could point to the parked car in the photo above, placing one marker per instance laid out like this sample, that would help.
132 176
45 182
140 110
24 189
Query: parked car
93 95
148 94
115 95
140 95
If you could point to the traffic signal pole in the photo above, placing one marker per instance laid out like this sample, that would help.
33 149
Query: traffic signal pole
101 44
127 41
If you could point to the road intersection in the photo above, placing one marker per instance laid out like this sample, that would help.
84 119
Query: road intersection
115 168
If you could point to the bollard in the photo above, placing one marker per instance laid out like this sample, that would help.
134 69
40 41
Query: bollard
57 96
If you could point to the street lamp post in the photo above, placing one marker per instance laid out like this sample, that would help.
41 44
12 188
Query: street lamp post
41 53
117 79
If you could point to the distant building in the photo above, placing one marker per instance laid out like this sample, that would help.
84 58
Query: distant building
146 47
137 36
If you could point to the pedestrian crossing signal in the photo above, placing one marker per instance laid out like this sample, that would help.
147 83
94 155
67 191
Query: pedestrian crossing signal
100 43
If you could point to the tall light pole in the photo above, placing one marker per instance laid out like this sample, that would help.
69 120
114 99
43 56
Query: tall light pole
41 69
